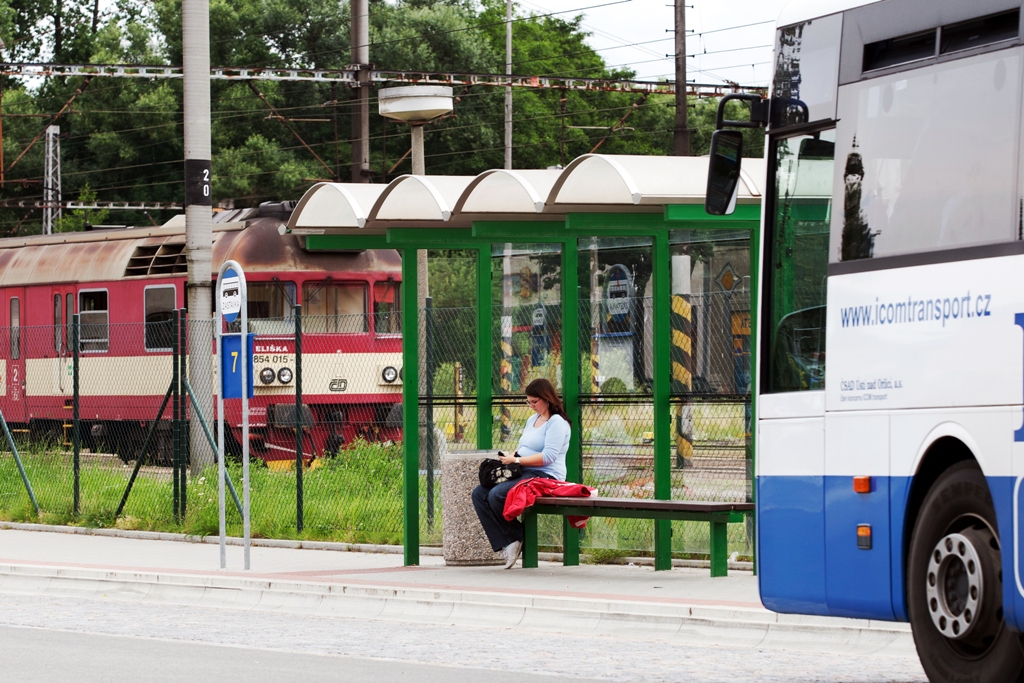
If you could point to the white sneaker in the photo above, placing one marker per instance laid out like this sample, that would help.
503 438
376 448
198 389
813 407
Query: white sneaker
512 552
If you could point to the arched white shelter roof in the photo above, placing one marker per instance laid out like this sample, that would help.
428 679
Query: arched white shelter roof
418 198
507 192
591 183
602 180
334 206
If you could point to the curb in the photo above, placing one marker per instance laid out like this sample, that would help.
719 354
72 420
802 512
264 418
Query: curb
231 540
320 545
706 624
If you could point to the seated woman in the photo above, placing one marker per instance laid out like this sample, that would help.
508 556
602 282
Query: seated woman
541 452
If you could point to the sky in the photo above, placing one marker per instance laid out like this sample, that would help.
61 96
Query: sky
742 55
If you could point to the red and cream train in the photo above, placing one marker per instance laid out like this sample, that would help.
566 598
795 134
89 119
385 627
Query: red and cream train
118 279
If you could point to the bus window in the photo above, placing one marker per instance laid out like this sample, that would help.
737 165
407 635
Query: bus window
797 261
159 306
334 307
58 329
387 307
913 178
15 329
94 320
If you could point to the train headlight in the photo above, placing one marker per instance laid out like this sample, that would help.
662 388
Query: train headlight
389 374
267 375
285 375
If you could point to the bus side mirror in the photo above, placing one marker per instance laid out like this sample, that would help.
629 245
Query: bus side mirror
723 172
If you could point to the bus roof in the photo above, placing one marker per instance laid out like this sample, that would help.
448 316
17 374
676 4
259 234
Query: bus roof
799 11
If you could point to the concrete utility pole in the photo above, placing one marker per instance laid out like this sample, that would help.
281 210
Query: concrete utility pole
682 131
508 89
360 41
195 28
51 180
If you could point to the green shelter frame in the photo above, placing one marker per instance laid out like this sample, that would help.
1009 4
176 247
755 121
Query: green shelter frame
565 230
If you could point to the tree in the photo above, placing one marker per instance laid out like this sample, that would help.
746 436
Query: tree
123 138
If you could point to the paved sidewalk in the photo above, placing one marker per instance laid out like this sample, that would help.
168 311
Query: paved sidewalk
601 599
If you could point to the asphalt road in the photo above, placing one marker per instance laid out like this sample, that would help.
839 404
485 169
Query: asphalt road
54 638
32 655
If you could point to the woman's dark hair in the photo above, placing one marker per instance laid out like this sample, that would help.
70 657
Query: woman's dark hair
545 391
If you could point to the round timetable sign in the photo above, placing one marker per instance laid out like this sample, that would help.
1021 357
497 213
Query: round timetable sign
230 295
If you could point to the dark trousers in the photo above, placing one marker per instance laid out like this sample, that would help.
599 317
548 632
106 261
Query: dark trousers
490 508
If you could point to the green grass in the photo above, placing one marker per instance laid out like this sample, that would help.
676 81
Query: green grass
355 497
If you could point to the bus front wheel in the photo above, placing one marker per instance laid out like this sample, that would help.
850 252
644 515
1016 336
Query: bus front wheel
954 584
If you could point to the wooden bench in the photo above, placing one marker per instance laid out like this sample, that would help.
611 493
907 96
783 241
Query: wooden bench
719 515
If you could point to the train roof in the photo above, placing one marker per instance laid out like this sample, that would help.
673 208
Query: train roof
260 244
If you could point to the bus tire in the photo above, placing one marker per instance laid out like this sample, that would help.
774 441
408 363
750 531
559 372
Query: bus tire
954 584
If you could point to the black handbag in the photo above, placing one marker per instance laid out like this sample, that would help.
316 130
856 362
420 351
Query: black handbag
493 472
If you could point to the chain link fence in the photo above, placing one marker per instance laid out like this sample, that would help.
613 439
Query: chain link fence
145 459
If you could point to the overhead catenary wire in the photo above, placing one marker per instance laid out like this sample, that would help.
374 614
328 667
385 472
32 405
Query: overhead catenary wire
174 180
233 114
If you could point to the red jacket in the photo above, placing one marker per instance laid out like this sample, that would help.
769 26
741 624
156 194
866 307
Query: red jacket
523 494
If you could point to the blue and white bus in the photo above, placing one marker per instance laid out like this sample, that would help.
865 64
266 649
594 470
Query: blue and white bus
889 477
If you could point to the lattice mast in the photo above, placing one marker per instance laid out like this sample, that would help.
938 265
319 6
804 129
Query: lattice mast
51 180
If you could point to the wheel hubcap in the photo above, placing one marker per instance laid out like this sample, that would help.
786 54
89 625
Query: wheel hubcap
954 586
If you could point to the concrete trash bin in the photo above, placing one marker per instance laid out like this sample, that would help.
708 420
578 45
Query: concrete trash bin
465 543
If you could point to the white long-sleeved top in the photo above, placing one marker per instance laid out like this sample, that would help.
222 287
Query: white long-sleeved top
550 440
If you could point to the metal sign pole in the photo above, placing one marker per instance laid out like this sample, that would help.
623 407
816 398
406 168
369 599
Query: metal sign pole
221 470
243 348
231 305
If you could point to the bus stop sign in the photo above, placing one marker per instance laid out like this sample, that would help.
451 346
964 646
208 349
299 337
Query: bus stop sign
230 296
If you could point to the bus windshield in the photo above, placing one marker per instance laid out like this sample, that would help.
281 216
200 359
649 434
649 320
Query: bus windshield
798 261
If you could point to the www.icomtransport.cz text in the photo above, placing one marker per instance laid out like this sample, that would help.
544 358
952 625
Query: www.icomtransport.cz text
917 310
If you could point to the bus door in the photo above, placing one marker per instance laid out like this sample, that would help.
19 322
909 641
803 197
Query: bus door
857 528
12 365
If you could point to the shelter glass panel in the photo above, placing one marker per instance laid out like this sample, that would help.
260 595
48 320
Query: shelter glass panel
710 353
616 307
526 326
710 323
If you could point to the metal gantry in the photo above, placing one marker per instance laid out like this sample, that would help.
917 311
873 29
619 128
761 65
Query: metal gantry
350 76
51 180
109 206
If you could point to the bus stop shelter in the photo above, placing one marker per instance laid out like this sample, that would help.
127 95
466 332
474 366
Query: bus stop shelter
592 276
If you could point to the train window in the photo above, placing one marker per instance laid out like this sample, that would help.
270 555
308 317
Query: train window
387 307
269 307
94 317
15 329
334 307
58 329
159 305
69 317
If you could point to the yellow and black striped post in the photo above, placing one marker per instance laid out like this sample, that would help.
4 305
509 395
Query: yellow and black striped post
458 430
681 321
506 379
